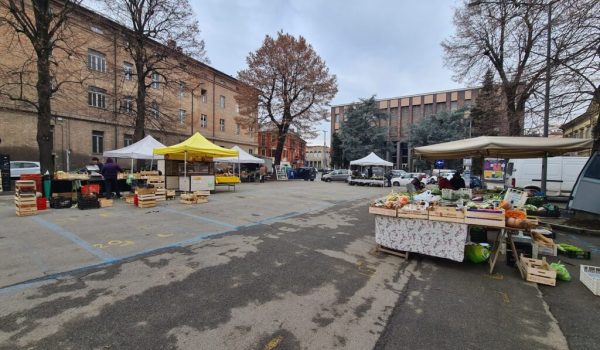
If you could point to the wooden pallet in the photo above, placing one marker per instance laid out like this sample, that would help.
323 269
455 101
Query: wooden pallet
161 194
144 191
492 218
383 211
105 202
147 204
538 271
171 194
447 214
395 252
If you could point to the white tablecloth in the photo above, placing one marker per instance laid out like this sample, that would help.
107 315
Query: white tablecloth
434 238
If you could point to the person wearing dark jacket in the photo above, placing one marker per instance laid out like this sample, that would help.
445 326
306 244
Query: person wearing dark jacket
457 181
110 171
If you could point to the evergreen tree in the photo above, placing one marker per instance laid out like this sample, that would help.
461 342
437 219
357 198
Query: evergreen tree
485 114
337 155
442 127
361 132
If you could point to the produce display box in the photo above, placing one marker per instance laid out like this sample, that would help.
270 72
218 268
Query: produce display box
383 211
448 214
146 200
590 277
144 191
538 271
129 198
485 217
105 202
161 194
541 245
25 198
170 194
420 213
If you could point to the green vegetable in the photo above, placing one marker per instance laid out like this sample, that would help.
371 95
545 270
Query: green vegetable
561 271
538 201
476 253
569 248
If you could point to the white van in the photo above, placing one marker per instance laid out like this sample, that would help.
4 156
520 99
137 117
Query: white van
562 174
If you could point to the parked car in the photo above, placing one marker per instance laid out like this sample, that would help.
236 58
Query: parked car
19 167
404 179
397 172
305 173
336 175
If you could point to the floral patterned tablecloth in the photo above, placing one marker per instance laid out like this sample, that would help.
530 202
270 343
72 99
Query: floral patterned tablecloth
435 238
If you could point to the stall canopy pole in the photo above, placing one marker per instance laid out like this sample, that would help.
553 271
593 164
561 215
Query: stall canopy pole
185 164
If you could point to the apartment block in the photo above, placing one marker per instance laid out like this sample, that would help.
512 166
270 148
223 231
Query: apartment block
407 110
318 156
95 111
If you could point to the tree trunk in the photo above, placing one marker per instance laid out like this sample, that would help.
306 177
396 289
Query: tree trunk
282 134
139 131
514 112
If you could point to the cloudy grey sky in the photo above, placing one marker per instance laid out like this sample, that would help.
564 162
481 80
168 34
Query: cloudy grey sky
385 48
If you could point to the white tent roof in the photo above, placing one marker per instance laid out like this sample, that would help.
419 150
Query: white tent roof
371 159
244 158
140 150
503 147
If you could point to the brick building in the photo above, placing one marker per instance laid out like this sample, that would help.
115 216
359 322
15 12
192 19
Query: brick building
582 126
408 110
96 114
294 148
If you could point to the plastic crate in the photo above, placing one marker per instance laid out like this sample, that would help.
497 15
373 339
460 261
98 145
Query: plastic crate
41 203
590 277
89 189
60 202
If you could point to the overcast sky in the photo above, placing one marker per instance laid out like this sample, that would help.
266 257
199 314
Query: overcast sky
386 48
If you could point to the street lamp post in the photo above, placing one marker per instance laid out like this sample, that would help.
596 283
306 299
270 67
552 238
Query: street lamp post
547 78
323 166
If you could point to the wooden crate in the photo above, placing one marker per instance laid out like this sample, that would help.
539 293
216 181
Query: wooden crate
144 191
413 214
25 185
383 211
149 173
201 193
448 214
105 202
161 194
538 271
482 217
171 194
130 198
539 246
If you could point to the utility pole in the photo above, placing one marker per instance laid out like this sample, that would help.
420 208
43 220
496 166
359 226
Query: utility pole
323 166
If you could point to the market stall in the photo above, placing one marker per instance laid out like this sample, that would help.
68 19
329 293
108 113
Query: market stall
370 161
412 224
243 158
189 165
143 149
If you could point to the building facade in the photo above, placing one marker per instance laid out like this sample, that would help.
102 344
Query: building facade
318 157
95 112
406 111
294 147
582 126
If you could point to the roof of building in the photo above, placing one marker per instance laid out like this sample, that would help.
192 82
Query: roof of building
591 112
413 95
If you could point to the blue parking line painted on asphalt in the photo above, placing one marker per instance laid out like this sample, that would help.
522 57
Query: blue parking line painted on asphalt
110 260
201 218
105 257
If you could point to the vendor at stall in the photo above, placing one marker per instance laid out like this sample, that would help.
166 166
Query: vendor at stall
415 184
111 171
457 181
444 183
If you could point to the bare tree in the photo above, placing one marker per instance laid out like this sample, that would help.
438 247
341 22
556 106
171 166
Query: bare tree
37 42
285 85
504 36
159 36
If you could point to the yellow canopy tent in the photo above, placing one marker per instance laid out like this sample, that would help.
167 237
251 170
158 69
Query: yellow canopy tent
196 148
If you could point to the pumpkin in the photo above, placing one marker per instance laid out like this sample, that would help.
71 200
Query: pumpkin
511 222
504 205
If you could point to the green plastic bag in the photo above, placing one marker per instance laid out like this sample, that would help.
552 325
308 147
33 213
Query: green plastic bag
561 271
476 253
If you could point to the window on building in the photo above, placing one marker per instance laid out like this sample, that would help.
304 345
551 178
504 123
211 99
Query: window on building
97 142
127 140
440 107
127 104
203 121
250 150
222 124
182 116
453 106
154 110
97 97
404 113
237 108
416 112
127 70
181 89
155 80
238 129
468 103
222 101
96 61
428 110
204 96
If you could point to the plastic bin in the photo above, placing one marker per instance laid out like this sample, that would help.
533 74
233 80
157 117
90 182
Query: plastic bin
90 189
41 203
590 276
35 177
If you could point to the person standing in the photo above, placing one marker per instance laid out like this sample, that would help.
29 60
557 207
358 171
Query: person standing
111 171
457 181
415 184
370 172
96 162
263 173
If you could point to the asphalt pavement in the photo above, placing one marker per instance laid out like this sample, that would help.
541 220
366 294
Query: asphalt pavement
270 266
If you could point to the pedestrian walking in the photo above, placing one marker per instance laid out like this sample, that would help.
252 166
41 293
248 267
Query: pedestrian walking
263 173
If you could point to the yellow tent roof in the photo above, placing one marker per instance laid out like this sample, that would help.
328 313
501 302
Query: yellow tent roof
197 146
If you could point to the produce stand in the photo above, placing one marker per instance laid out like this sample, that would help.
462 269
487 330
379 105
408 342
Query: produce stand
200 153
227 180
369 161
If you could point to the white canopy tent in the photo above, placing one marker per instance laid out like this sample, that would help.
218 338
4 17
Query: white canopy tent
143 149
371 160
244 158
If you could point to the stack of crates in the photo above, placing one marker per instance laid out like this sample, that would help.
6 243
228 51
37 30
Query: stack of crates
25 198
158 182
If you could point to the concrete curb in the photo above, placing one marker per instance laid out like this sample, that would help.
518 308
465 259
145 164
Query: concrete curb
572 229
